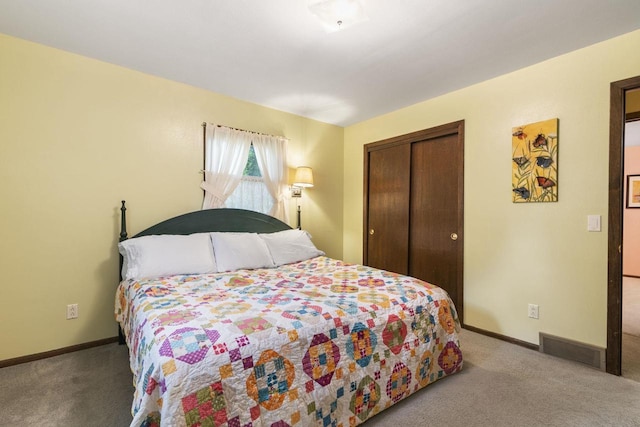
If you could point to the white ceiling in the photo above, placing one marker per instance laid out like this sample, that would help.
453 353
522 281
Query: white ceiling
275 53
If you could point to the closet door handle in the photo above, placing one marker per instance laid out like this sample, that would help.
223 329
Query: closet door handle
372 231
454 236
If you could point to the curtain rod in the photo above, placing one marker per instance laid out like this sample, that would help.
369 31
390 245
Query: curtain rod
204 125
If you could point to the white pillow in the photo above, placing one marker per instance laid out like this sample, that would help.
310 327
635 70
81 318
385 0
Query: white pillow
235 251
290 246
166 255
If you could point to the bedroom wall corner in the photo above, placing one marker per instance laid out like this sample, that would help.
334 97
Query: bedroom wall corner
520 254
321 205
77 136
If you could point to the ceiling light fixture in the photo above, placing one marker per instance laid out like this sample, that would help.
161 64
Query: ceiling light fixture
338 14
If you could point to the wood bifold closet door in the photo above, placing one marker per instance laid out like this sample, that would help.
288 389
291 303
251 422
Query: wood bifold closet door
414 206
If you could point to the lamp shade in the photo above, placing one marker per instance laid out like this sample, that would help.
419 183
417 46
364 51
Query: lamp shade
304 177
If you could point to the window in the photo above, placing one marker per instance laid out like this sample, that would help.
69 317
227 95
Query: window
251 193
259 183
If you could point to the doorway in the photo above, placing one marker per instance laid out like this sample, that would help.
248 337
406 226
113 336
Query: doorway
617 198
631 240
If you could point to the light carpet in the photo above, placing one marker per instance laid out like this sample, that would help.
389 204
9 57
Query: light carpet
501 384
631 358
631 306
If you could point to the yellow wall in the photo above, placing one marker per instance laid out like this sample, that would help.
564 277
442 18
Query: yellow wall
516 254
77 136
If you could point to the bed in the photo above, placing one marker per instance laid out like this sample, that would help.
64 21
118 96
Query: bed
316 341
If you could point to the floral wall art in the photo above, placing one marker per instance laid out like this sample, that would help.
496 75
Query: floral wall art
535 162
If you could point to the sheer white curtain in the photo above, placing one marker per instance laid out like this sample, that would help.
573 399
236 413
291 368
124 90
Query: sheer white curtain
226 153
251 194
271 156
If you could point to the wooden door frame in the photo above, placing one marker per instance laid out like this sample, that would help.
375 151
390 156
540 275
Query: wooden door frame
614 258
453 128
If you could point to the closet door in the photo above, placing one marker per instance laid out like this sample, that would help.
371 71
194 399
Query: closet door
435 240
386 219
413 206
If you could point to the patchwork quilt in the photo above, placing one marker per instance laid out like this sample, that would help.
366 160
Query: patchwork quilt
320 342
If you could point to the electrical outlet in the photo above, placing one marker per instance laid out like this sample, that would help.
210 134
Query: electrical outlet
533 311
72 311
